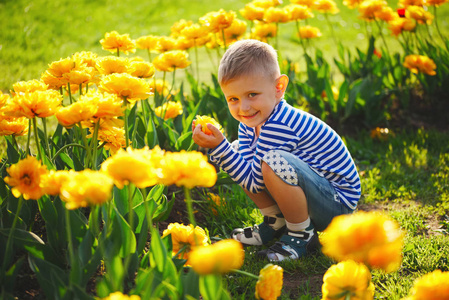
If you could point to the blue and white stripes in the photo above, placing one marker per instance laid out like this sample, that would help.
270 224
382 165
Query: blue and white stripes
299 133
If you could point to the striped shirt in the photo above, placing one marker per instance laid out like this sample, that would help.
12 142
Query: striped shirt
300 133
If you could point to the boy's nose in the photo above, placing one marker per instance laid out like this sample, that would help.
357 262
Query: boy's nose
245 106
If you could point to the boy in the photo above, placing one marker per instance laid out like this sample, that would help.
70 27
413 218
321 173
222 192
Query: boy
294 167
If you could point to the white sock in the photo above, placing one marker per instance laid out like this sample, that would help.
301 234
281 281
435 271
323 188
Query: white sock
303 226
274 212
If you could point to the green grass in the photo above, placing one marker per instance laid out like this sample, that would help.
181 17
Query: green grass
36 33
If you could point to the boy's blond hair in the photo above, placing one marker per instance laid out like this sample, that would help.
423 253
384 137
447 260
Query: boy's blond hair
248 57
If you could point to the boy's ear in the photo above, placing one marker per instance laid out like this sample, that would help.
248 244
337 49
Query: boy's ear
281 85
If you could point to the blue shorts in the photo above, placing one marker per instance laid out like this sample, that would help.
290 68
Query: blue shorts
322 199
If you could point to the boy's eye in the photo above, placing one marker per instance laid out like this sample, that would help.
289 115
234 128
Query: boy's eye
233 99
251 95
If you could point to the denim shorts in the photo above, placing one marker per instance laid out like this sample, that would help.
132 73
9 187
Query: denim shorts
322 199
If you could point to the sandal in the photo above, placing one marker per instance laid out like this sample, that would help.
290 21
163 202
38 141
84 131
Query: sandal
258 235
292 245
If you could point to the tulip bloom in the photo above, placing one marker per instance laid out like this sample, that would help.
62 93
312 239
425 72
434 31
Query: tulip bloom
269 285
221 257
25 177
366 237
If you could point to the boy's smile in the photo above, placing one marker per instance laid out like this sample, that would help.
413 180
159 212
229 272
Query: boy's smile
252 98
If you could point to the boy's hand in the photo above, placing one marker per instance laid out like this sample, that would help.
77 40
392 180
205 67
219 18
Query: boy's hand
207 140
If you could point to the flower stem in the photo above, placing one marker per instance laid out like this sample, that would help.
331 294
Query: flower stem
245 273
70 243
36 138
189 206
70 93
11 234
224 39
126 122
86 145
93 143
44 122
29 138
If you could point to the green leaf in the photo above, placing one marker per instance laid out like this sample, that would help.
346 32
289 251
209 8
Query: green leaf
158 256
52 279
67 160
190 282
128 239
211 287
13 155
184 141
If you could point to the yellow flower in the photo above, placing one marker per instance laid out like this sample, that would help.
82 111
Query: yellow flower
266 3
125 86
86 57
148 42
197 33
432 285
216 200
171 60
120 296
397 25
269 285
218 20
347 280
185 239
326 6
235 31
183 43
177 28
166 43
309 32
113 137
298 12
203 121
308 3
252 12
221 257
369 8
188 169
53 76
141 69
435 2
419 14
86 188
114 42
25 178
51 182
137 166
169 110
80 74
352 3
387 14
420 63
276 15
82 110
112 64
13 125
368 237
36 104
29 86
108 105
159 86
407 3
263 31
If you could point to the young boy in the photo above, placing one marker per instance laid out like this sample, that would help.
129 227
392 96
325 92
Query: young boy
294 167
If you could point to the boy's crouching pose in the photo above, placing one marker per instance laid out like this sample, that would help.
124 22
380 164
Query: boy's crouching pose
295 168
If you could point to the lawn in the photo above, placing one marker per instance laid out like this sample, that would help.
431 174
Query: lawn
393 122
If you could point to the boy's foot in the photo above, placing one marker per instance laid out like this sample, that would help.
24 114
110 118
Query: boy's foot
258 235
292 245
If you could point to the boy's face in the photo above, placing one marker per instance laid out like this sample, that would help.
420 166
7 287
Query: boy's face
252 98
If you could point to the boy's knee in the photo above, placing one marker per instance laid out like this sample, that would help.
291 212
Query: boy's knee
274 163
